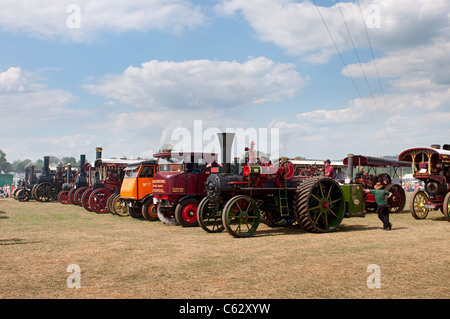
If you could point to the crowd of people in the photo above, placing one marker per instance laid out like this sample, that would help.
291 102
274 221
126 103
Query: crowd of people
8 190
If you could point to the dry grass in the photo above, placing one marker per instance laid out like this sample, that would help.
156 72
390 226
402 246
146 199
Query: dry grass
122 257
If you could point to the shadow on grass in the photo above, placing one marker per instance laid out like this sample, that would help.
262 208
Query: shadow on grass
15 241
297 230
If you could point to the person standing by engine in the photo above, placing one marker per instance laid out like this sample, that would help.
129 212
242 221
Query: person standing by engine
328 169
381 196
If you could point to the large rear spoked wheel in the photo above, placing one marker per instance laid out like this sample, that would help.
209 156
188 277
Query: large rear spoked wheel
240 216
209 216
85 199
319 205
446 207
398 200
78 195
98 200
46 192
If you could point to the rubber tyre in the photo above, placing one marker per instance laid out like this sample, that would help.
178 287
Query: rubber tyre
149 211
186 212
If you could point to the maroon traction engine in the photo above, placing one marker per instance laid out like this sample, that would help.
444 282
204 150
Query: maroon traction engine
179 185
431 165
107 180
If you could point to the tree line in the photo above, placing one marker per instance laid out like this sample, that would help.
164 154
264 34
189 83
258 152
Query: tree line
18 166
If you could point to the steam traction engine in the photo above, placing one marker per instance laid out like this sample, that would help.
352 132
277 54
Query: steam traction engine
179 185
23 192
49 183
106 180
238 202
432 166
73 182
368 180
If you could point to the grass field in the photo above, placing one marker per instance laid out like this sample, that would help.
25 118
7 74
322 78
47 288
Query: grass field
122 257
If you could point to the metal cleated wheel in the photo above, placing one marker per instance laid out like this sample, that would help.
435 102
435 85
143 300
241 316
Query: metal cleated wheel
417 205
98 200
240 216
209 216
319 205
186 212
45 192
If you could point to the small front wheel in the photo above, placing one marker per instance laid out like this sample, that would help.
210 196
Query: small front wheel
149 210
240 216
417 205
209 216
186 212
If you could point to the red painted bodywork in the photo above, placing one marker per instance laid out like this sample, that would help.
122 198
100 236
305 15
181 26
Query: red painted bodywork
174 185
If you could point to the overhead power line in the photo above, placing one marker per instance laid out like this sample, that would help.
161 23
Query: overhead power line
348 71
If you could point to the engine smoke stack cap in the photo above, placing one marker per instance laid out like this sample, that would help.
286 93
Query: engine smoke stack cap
98 152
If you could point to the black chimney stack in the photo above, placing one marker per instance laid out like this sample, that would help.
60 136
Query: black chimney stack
226 141
98 152
32 179
68 173
82 163
46 170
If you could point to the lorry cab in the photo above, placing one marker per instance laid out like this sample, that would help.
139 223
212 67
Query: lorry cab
137 187
179 185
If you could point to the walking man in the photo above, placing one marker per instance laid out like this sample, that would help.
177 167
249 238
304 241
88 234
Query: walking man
381 197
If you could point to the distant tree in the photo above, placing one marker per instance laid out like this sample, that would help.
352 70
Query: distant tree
39 164
69 160
54 160
18 166
4 164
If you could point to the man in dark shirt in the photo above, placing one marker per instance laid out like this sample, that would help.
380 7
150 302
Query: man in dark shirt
381 197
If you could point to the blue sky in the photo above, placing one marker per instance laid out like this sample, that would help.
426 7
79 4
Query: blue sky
132 73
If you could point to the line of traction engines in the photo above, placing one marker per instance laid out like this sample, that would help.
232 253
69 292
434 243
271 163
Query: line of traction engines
192 189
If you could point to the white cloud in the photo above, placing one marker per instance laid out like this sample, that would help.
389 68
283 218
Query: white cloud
199 84
430 62
49 19
297 27
407 120
27 103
